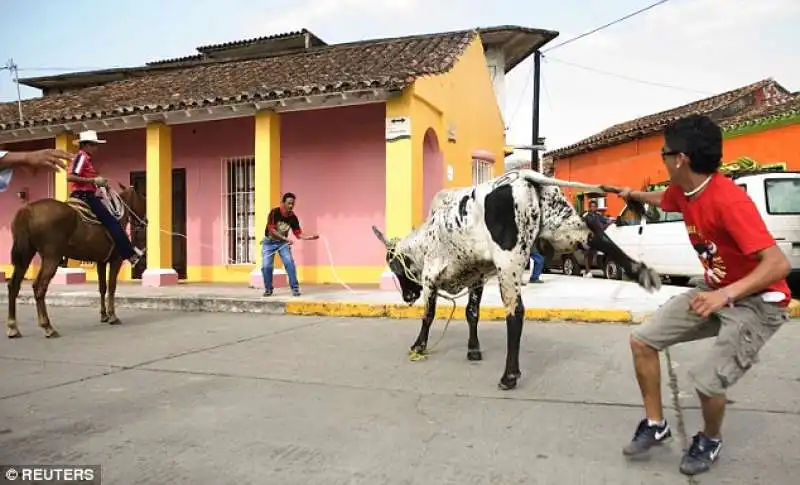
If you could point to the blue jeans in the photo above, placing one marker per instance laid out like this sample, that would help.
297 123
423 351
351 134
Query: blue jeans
268 250
118 235
538 265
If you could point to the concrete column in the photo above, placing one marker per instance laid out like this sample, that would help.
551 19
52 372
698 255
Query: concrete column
159 270
268 189
403 175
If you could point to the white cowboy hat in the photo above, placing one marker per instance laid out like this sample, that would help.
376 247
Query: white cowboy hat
88 136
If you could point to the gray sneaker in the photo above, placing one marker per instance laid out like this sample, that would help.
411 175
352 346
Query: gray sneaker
701 455
646 437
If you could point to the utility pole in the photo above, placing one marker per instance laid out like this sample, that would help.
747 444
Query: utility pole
14 71
537 76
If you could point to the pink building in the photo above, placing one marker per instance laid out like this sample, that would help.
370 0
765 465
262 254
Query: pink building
363 133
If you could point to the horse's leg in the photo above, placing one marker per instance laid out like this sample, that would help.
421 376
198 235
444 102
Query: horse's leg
102 286
114 266
21 264
515 311
473 313
429 296
49 266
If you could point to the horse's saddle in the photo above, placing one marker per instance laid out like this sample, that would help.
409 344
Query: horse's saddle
83 210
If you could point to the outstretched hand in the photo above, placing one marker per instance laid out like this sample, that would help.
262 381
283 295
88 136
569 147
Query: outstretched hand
48 158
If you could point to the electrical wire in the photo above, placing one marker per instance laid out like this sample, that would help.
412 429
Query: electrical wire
613 22
626 78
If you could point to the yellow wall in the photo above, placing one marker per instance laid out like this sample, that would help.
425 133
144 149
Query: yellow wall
464 97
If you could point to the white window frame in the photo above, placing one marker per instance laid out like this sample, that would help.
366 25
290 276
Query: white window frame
482 170
238 203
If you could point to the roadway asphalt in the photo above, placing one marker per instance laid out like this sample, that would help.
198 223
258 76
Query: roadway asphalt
240 399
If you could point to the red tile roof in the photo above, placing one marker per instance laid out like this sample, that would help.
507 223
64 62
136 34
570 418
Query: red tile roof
391 63
782 108
722 106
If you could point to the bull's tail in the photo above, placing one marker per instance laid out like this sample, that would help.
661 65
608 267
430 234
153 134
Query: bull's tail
537 178
541 179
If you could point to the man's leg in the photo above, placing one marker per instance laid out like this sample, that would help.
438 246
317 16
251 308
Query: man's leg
291 270
123 244
588 262
538 266
744 330
672 323
267 264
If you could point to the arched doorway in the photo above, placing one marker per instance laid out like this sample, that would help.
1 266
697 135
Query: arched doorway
432 169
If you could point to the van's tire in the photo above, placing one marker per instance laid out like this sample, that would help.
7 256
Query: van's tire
612 271
570 266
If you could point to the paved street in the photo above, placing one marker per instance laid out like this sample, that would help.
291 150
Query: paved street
202 398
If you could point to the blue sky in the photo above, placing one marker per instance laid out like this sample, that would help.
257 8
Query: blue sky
699 47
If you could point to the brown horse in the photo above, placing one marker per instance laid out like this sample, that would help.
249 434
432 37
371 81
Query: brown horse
56 230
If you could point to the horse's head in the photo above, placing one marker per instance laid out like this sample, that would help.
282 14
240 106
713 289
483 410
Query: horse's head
134 201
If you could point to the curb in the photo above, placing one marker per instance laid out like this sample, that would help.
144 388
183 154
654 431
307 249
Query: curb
343 309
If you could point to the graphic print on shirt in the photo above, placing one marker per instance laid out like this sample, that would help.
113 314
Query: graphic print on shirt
713 265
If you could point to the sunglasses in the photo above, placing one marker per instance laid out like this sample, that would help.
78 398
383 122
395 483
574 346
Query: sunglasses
665 154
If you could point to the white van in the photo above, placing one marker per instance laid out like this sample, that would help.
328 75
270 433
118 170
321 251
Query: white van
664 243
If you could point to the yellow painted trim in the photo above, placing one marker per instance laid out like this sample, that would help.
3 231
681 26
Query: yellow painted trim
794 309
267 172
60 184
320 274
159 196
404 170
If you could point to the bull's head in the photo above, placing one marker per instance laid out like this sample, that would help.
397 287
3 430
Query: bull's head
402 267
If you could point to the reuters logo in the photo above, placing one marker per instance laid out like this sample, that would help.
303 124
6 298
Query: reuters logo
12 474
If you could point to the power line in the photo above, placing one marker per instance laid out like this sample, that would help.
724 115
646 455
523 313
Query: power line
627 78
613 22
585 34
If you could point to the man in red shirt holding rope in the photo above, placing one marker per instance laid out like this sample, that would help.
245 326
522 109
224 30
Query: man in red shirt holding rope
743 301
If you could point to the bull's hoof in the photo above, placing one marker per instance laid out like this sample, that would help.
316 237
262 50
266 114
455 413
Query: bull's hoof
103 318
648 278
51 333
474 354
114 321
13 333
508 382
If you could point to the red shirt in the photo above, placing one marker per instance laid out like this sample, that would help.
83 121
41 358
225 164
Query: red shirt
725 229
82 167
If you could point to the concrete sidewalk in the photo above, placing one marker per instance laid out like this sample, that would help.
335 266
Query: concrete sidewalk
562 298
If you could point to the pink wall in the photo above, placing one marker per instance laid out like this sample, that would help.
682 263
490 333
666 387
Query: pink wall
200 148
432 169
123 153
334 160
36 184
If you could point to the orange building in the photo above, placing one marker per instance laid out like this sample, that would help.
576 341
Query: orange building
760 122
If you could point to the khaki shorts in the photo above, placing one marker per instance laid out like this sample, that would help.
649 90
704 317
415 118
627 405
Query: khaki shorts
741 331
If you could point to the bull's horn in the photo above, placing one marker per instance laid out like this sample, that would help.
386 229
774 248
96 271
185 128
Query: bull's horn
380 236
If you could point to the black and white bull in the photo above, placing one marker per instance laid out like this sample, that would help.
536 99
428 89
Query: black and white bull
474 233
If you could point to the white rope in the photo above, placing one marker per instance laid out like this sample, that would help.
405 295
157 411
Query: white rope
113 202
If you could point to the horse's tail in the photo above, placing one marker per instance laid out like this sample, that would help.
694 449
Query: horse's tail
22 247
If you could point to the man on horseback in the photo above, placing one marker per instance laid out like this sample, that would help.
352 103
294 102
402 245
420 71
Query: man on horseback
84 182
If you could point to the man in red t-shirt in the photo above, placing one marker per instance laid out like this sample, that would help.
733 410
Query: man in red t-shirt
742 303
